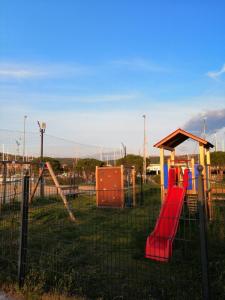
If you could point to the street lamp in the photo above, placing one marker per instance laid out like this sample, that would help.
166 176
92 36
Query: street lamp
42 128
24 137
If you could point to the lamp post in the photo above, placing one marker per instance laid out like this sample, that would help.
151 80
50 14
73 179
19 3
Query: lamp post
144 151
24 137
42 127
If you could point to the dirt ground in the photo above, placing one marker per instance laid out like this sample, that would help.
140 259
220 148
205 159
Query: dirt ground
4 297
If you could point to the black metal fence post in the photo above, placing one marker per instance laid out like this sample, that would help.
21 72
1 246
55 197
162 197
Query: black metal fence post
142 193
4 181
23 231
203 235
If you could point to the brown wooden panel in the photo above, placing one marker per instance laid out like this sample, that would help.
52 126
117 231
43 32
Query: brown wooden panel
109 187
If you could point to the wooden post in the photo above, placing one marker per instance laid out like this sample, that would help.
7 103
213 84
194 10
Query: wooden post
172 158
122 187
36 185
60 191
169 163
208 163
202 157
134 186
96 184
193 174
162 173
202 162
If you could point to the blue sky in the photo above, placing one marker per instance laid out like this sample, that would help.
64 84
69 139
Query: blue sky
90 69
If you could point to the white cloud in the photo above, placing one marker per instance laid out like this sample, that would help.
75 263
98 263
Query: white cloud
20 73
216 74
35 70
138 64
27 98
103 128
29 71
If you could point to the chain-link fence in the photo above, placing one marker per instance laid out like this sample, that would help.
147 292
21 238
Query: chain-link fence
13 146
101 255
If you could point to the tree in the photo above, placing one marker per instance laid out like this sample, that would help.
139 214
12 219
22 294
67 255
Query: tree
133 160
56 166
218 158
86 167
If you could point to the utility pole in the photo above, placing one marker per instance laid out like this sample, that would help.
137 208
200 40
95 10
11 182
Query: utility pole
24 137
216 142
204 127
124 150
42 127
144 151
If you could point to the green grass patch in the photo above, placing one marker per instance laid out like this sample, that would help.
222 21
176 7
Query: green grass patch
101 256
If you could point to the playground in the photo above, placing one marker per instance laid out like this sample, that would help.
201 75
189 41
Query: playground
125 239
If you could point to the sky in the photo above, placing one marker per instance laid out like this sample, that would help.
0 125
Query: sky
91 69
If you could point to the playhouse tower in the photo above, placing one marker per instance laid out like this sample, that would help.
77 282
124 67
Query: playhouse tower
173 140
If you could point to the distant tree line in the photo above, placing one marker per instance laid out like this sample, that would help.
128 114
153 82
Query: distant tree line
218 158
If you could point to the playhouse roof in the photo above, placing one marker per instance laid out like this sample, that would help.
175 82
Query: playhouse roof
178 137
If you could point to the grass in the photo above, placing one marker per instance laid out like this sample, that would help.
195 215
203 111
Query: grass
101 256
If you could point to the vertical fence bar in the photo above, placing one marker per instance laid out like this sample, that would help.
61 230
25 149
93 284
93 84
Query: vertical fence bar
203 235
23 231
42 184
142 193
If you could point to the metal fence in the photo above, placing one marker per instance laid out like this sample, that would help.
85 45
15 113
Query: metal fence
102 254
13 147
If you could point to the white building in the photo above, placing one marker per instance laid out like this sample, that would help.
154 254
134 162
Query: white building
153 169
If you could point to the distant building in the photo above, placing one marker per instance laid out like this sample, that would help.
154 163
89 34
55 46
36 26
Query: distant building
153 169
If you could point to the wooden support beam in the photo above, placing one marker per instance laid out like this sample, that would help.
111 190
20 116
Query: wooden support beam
172 157
169 163
193 174
202 156
208 160
60 191
96 185
209 193
36 185
122 186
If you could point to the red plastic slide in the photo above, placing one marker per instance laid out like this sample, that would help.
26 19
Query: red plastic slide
159 243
